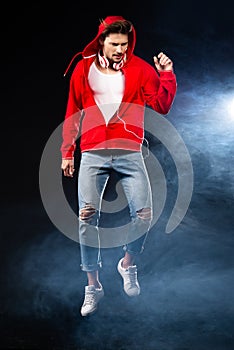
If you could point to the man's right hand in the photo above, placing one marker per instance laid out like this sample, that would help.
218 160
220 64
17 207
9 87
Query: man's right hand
68 167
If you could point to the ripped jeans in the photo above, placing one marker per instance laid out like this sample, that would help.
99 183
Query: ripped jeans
95 170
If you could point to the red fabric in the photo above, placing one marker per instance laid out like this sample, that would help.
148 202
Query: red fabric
143 87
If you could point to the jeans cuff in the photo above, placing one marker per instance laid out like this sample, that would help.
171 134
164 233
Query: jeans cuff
91 268
127 249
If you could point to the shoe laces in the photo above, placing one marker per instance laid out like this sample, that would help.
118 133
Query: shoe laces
132 278
89 298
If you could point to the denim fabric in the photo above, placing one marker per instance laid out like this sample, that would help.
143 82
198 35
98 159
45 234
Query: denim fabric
95 170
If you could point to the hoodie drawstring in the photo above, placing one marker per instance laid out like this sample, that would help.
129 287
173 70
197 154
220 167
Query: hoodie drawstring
68 67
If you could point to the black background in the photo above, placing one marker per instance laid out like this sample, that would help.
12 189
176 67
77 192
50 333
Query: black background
187 276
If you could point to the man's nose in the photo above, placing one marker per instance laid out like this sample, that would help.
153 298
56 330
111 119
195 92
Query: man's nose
120 49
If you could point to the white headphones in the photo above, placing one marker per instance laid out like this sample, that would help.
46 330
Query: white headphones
105 63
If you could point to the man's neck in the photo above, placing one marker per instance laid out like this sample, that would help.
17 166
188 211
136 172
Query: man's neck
108 70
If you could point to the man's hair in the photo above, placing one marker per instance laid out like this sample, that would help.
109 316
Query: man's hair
118 27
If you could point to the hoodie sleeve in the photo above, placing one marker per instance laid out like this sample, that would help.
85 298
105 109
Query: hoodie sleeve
159 89
73 114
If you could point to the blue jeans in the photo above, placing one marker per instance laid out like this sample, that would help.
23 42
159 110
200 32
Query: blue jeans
95 170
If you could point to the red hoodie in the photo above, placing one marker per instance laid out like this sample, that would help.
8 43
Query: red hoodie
144 86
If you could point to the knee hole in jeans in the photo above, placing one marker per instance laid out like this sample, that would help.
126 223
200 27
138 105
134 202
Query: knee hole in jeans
145 213
87 212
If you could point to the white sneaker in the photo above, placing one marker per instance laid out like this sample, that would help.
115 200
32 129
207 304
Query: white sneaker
130 283
92 297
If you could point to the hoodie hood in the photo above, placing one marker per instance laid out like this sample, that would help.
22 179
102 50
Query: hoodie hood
93 47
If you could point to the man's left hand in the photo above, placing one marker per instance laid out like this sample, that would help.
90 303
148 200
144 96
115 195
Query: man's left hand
163 63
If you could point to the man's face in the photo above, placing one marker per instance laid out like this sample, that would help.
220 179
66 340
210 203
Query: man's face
114 47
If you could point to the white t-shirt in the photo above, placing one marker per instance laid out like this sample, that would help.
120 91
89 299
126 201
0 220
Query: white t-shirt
108 90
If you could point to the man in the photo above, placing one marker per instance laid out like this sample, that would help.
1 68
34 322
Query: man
109 88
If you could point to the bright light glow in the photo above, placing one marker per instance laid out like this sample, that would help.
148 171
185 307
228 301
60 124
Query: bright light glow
230 107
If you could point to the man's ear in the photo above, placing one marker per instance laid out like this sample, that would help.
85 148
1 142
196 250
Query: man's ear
101 42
